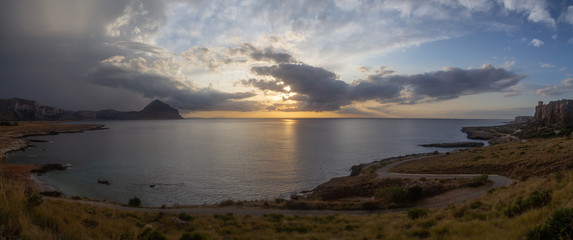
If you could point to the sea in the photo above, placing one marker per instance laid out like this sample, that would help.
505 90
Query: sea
206 161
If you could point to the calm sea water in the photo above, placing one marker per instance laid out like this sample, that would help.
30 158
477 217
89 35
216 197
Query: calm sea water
198 161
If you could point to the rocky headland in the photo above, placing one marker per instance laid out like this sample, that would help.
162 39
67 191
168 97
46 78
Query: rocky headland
16 109
551 120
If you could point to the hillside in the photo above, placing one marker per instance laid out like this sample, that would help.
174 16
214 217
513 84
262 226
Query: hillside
16 109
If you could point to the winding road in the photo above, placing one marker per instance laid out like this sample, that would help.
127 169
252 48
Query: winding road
442 200
450 197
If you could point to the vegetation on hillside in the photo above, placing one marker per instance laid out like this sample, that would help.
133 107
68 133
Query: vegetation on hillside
27 215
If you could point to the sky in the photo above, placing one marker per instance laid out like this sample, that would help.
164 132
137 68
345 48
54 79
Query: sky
290 59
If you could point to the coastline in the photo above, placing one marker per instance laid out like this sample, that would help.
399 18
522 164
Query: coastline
13 138
18 142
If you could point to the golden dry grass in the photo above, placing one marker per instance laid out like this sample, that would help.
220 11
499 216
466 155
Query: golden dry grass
534 157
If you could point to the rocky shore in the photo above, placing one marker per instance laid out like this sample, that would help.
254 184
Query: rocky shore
454 145
13 138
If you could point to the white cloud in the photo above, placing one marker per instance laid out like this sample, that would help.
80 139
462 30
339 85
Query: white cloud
557 90
508 64
546 65
568 15
536 42
536 10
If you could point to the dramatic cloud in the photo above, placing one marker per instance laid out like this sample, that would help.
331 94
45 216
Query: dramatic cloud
565 87
121 53
536 42
246 53
318 89
135 75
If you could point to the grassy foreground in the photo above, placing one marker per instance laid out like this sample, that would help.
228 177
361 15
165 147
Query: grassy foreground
25 215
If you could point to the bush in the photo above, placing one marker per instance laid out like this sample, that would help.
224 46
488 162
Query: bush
559 226
535 200
194 236
416 213
225 203
397 194
478 181
415 193
185 217
296 205
134 202
356 169
149 234
420 233
51 193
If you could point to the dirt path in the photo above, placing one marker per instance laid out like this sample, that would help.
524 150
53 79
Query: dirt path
450 197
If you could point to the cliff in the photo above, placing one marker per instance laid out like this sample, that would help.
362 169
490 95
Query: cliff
522 119
558 113
16 109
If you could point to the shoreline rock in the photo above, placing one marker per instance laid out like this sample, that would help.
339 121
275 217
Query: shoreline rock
454 145
48 168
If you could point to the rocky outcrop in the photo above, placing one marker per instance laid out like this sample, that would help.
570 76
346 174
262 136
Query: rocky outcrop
556 113
16 109
522 119
454 145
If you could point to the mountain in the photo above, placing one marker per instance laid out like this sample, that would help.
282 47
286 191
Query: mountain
16 109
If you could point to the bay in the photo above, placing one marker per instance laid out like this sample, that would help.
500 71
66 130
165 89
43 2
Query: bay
196 161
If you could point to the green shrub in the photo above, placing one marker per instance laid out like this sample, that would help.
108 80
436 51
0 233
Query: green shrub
478 181
134 202
416 213
559 226
51 193
476 204
398 194
225 203
356 169
414 193
185 217
296 205
194 236
150 234
535 200
421 233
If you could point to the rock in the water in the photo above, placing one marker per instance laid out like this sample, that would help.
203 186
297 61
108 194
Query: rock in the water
49 167
103 181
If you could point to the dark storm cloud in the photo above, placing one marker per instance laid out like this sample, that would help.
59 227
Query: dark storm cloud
54 52
48 46
320 90
448 84
152 85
